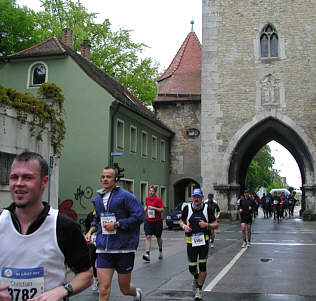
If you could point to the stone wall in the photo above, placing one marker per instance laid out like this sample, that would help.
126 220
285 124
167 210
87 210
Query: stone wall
234 78
185 158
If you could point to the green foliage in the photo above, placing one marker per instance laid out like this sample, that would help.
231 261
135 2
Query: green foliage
17 28
276 181
42 113
112 51
261 173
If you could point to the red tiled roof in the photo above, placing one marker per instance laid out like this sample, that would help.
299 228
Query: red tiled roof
183 76
49 47
54 47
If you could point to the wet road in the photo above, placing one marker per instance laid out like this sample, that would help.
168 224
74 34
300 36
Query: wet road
279 265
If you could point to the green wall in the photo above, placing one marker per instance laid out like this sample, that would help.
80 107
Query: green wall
86 145
88 126
136 166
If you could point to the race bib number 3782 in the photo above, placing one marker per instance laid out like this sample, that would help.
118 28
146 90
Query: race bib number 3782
23 284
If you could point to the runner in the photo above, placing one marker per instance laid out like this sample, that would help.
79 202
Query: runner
216 211
117 223
196 220
153 223
245 209
37 243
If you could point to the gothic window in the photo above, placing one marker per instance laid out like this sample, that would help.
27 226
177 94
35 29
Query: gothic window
269 42
38 74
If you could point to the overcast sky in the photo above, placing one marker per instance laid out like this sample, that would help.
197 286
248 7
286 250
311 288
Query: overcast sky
163 26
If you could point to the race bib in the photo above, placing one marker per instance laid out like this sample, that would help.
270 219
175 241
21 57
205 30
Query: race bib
151 213
23 284
275 202
108 218
198 239
94 238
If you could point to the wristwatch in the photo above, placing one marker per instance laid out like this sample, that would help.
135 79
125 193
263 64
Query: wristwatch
116 225
69 289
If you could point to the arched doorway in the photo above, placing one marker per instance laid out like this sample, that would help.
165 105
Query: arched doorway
262 133
183 189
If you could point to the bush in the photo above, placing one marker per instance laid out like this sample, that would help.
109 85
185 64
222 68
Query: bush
309 215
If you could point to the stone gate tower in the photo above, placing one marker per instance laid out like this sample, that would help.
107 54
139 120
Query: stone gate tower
258 85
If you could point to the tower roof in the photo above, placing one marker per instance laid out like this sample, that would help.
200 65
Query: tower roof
182 79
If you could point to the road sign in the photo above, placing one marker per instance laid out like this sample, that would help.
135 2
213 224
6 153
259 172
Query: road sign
51 161
116 154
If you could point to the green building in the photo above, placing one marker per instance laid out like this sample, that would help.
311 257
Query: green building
105 124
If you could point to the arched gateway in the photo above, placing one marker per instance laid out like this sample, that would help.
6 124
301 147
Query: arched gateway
258 85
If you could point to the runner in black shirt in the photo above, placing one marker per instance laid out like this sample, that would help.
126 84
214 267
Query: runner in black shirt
245 209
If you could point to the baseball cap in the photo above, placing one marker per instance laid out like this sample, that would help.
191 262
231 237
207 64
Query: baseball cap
197 191
246 190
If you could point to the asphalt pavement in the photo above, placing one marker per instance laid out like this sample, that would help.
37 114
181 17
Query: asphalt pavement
277 266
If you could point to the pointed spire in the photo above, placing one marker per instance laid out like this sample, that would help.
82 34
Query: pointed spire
192 23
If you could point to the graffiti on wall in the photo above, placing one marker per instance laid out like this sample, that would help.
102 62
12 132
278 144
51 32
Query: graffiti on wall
81 194
65 207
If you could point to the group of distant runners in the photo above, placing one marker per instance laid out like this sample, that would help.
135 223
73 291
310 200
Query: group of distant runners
278 206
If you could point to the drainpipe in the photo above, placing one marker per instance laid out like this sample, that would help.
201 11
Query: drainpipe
115 107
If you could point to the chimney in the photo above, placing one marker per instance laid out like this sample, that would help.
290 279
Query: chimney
67 37
85 49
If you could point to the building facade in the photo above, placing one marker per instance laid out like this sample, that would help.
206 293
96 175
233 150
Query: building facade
105 124
258 85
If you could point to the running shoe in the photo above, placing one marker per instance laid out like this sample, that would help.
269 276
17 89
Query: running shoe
194 285
95 284
146 257
248 244
139 295
160 255
244 245
198 294
212 244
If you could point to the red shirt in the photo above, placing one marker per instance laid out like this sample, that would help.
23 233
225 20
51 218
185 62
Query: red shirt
156 201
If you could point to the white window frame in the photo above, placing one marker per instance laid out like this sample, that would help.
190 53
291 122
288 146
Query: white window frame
144 148
163 195
30 74
162 150
143 198
154 147
126 180
131 149
120 147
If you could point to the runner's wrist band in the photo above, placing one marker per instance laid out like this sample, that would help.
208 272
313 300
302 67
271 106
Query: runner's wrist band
183 226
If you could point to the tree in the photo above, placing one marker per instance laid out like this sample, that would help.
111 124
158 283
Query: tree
17 28
261 173
112 51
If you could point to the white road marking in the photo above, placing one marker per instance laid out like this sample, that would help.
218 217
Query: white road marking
284 243
224 271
